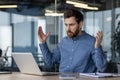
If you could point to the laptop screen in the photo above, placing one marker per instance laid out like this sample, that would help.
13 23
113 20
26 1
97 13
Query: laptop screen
26 63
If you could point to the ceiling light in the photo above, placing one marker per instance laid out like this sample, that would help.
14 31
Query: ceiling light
49 11
53 14
82 5
8 6
76 3
87 7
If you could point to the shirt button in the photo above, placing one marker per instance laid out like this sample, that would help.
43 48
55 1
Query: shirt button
68 66
72 49
74 41
70 58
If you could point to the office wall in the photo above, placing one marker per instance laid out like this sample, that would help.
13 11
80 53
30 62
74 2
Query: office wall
5 18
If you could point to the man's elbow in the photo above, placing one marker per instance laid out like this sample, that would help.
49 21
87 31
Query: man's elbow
49 64
103 67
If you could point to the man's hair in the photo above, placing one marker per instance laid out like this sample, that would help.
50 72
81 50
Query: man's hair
73 13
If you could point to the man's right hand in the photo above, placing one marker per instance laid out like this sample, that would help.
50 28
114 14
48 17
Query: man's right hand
42 36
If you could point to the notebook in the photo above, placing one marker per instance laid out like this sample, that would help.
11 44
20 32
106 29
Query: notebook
27 64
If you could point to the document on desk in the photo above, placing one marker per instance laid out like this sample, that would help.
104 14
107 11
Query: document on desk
100 75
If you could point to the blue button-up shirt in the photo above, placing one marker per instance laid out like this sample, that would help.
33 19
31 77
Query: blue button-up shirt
76 55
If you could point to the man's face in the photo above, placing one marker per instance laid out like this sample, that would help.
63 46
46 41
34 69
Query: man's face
72 27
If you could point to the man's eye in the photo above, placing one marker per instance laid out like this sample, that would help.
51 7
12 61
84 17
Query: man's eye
65 24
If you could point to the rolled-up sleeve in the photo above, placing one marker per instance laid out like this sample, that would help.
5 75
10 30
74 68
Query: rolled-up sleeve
50 58
100 59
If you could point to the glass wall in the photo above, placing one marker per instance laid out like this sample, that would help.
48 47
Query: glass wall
100 21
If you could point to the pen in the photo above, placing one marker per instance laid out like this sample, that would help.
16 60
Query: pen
95 73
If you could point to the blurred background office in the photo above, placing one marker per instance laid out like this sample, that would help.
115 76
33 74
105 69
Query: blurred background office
19 20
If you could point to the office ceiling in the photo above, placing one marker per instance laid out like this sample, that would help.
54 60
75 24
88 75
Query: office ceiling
37 7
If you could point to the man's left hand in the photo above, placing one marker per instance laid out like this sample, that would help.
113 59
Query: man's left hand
98 39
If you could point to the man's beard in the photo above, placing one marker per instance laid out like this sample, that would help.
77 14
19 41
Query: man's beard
73 34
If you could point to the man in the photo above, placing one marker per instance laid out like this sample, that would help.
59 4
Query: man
78 51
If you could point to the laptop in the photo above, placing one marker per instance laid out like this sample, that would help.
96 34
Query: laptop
27 64
5 72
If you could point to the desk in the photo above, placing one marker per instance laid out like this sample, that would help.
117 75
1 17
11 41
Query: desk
19 76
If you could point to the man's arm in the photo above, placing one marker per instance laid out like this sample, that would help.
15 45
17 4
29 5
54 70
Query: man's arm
50 58
100 59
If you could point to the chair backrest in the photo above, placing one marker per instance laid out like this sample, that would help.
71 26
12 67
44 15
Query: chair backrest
118 67
111 67
1 62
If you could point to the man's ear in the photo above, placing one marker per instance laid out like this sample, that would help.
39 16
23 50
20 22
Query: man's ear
80 24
